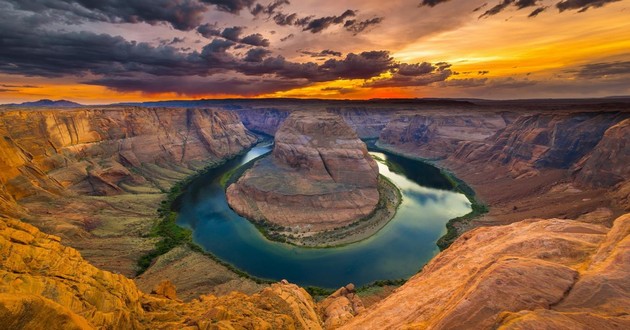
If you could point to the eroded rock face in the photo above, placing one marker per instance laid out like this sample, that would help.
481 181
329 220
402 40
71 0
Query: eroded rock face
44 284
607 164
534 274
319 175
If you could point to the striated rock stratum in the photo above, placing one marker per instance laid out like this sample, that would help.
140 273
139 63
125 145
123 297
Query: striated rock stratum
320 176
533 274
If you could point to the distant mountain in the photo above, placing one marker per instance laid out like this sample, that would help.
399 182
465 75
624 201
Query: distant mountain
45 103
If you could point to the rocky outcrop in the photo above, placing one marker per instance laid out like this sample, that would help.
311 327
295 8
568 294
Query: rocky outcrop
436 136
44 284
92 151
541 141
263 120
607 164
96 177
340 307
36 265
531 274
319 176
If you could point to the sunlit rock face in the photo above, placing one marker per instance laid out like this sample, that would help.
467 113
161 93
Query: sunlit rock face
319 176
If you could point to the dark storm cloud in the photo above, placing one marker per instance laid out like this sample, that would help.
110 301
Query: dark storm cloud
582 5
58 54
537 12
284 19
287 37
269 9
209 30
256 55
255 39
432 3
603 70
37 52
519 4
181 14
323 53
420 74
230 6
245 86
321 23
233 34
357 27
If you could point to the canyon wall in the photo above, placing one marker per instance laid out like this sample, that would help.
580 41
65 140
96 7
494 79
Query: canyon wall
96 177
535 273
93 151
47 285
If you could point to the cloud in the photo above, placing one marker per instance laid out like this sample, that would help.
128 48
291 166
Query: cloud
519 4
537 12
432 3
419 74
256 55
603 70
582 5
321 23
357 27
323 53
230 6
255 39
464 83
181 14
269 9
289 36
195 86
233 34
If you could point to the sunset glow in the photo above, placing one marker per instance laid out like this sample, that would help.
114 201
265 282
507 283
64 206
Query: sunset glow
242 51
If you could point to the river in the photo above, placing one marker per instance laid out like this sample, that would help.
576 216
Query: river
397 251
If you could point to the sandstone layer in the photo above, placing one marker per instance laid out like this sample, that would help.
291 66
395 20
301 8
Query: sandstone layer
319 176
536 273
96 177
44 284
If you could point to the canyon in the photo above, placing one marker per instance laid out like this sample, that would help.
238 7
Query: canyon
552 252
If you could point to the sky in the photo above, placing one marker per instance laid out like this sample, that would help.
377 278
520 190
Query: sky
106 51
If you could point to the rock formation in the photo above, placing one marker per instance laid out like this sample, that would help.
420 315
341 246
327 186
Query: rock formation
532 274
47 285
319 176
96 177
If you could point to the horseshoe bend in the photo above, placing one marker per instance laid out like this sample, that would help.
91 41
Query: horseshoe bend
319 177
275 164
555 234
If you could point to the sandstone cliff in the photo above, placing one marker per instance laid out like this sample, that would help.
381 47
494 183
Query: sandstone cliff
319 176
47 285
536 273
437 135
96 177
